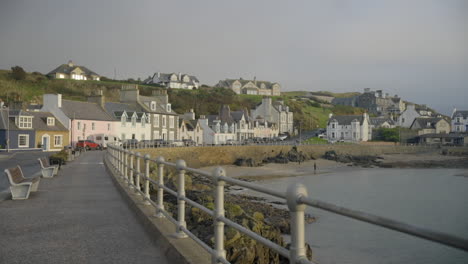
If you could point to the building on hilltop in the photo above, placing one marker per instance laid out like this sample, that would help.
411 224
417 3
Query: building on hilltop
72 71
349 128
164 121
374 102
274 112
459 121
241 86
174 81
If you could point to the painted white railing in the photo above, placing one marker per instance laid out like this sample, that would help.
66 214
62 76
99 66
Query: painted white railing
126 164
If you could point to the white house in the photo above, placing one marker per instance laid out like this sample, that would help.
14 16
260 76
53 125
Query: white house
131 122
459 121
349 128
216 132
274 112
174 81
190 128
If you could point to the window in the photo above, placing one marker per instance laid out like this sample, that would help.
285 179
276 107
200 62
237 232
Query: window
333 125
153 106
164 121
93 126
78 126
156 121
133 121
23 141
123 120
123 137
25 122
168 107
171 122
333 134
58 141
51 121
61 76
143 121
142 136
108 127
458 119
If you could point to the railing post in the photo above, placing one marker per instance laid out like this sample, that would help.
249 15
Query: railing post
130 179
297 251
120 162
125 165
160 205
219 251
147 197
180 165
137 174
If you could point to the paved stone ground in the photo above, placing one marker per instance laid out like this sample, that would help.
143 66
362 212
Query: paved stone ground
76 217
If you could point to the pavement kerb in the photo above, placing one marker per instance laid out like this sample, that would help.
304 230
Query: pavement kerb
161 230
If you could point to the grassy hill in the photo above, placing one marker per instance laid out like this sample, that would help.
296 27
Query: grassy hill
207 100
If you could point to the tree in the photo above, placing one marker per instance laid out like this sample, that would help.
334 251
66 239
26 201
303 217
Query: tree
18 73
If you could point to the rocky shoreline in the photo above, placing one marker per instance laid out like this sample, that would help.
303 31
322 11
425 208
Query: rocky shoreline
251 212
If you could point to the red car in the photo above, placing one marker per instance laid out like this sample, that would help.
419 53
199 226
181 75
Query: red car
88 144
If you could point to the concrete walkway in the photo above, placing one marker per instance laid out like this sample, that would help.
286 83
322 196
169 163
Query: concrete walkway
76 217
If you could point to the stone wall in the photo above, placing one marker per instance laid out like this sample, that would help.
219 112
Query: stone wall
197 157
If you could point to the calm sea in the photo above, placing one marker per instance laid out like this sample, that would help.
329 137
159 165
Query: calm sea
431 198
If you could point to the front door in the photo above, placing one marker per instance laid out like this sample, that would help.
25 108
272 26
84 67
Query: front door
45 143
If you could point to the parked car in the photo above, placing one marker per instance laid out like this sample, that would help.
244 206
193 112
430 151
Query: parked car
88 145
176 143
189 142
232 142
130 143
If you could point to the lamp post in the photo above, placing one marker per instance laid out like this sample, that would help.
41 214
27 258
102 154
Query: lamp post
8 128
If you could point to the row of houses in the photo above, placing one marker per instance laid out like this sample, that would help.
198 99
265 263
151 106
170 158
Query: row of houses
427 129
59 122
173 80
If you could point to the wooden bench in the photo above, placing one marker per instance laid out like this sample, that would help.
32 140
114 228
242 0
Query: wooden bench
20 186
47 170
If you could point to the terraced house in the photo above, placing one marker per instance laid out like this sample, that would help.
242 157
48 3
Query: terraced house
274 112
241 86
72 71
16 130
51 135
131 121
84 120
164 121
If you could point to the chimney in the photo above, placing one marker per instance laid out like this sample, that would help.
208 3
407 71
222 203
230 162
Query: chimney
59 100
98 98
366 90
70 63
159 75
161 95
129 93
330 115
190 115
255 80
180 76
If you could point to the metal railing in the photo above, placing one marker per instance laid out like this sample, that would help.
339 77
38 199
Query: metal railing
126 164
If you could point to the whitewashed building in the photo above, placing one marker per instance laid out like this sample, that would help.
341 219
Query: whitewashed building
274 112
349 128
174 81
190 128
459 121
131 122
216 132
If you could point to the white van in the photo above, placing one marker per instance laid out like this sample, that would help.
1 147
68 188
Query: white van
104 139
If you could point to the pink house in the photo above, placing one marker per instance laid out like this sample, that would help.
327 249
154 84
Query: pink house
84 120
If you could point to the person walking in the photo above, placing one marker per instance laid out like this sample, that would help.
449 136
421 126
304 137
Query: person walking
315 167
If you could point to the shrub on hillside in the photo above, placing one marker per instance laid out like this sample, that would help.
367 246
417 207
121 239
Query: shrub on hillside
18 73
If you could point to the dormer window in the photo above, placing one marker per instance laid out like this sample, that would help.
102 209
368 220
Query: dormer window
51 121
143 121
25 122
133 121
123 119
153 106
168 107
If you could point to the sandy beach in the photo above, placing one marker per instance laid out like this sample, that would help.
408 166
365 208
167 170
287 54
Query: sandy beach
293 169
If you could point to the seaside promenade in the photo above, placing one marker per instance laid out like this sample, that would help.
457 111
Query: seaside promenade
75 217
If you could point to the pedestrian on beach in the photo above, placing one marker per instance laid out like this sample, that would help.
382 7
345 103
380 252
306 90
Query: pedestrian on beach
315 167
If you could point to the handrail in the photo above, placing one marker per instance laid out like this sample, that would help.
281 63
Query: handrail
122 161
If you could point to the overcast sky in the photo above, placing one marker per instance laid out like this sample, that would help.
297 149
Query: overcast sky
417 49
